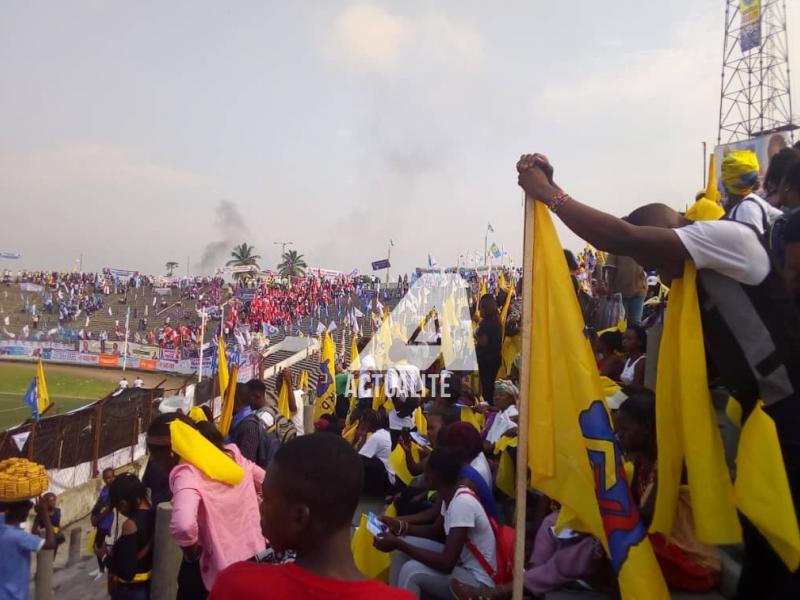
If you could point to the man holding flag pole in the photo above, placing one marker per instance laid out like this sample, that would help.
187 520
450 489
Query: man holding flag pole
725 287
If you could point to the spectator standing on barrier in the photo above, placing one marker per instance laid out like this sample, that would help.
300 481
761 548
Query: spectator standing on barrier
138 383
123 383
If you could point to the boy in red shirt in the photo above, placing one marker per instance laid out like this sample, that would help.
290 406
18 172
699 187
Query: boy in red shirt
310 494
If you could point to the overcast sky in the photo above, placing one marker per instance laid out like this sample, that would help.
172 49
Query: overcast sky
338 125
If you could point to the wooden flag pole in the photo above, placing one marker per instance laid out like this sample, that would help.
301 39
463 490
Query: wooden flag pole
521 488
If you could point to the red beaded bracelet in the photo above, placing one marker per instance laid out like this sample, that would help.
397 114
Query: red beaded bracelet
558 201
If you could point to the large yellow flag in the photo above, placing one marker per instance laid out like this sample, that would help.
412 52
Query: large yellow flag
222 366
226 418
687 427
326 385
573 453
43 396
688 435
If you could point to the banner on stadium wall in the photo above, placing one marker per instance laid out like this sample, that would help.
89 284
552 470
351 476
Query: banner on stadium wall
750 34
143 351
765 147
170 354
122 273
65 353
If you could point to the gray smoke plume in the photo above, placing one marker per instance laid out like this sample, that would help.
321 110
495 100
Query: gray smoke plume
231 226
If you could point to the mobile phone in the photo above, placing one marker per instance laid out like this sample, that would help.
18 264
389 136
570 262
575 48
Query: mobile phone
374 526
420 439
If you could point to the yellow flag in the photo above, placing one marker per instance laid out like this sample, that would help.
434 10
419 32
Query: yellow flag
573 454
227 404
372 563
420 422
303 383
762 489
325 402
397 460
686 425
283 400
191 446
349 432
43 396
472 417
222 366
707 208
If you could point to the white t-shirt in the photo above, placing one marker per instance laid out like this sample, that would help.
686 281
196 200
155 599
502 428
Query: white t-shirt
137 383
379 445
481 465
123 383
728 248
297 418
404 381
502 423
749 212
465 510
367 364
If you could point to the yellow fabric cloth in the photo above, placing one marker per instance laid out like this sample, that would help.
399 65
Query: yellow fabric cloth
762 489
371 562
420 422
687 427
707 206
222 366
191 446
505 479
733 410
349 432
197 414
397 460
227 406
740 172
325 402
572 451
283 400
472 417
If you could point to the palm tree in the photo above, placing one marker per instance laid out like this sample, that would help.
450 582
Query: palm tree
243 257
170 267
293 264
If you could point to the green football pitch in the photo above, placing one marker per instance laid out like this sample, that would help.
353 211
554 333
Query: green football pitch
69 386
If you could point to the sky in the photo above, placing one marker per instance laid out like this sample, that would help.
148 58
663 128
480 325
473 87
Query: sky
136 133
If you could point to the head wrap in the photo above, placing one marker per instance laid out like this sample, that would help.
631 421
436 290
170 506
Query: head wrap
740 172
508 387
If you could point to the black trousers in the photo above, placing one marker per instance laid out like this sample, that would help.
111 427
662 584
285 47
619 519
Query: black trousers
764 576
487 370
376 479
190 582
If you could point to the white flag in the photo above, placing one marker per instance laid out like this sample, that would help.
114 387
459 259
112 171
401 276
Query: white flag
110 314
358 313
332 327
87 321
20 439
7 320
320 328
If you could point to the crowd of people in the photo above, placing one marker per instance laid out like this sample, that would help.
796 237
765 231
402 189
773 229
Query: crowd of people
263 508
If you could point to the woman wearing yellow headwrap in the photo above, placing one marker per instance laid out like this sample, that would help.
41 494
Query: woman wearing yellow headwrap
740 179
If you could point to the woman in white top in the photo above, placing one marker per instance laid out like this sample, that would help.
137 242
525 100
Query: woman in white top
634 345
420 561
375 446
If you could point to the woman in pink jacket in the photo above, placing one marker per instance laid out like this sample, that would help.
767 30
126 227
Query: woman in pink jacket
214 523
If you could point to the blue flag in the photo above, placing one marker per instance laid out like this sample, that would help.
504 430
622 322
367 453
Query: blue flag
32 399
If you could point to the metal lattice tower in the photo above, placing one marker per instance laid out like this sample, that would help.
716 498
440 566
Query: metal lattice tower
755 99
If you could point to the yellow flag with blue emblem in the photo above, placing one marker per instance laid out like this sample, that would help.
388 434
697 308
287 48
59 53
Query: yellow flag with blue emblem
325 402
573 454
